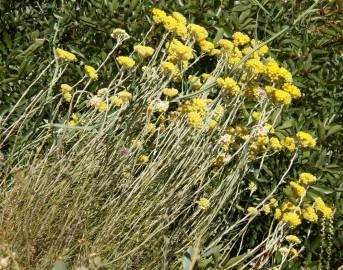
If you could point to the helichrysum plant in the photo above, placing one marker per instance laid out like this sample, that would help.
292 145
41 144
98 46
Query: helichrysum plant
135 167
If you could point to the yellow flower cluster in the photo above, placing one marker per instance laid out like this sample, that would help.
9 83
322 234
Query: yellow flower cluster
170 92
121 98
66 92
126 62
204 204
196 109
281 96
275 144
98 104
206 46
306 139
297 189
229 85
195 82
272 69
178 51
195 119
292 90
143 159
323 208
293 239
119 33
291 218
226 45
307 178
91 72
289 144
240 38
309 214
197 31
285 74
175 23
170 69
143 51
253 211
255 65
65 55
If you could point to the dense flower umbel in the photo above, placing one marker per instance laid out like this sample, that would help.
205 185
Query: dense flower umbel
66 92
178 51
298 190
307 178
170 92
126 62
204 203
65 55
293 239
197 31
306 139
144 51
291 218
321 207
229 85
309 214
91 72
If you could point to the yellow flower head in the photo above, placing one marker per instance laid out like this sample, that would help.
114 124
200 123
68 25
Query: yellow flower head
126 62
204 204
143 159
169 68
273 202
66 88
325 210
143 51
306 139
197 31
272 69
281 96
240 38
277 214
158 15
229 85
67 96
256 66
179 17
116 101
309 214
119 33
170 92
178 51
151 128
125 96
195 119
65 55
226 45
291 219
253 211
297 189
195 82
286 75
289 144
266 209
275 144
292 90
206 46
91 72
307 178
293 239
